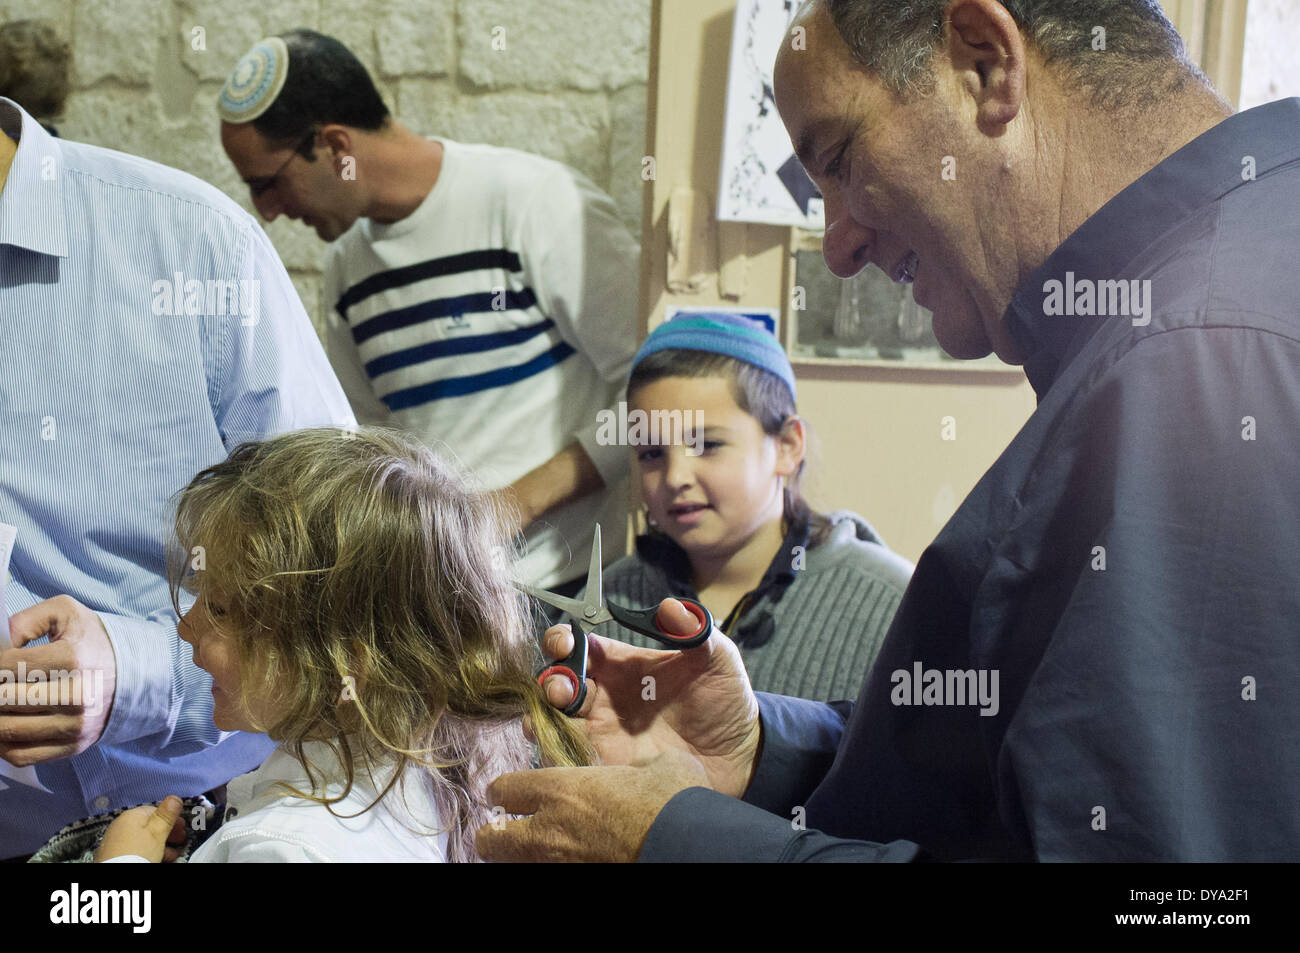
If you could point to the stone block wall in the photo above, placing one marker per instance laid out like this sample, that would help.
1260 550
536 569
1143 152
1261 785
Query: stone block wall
562 78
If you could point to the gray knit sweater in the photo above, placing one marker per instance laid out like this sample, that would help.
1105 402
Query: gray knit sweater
813 626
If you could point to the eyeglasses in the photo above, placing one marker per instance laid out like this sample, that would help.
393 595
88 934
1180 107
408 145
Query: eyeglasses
263 184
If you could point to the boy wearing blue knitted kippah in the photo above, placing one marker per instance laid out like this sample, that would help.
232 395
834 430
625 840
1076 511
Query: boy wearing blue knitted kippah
807 597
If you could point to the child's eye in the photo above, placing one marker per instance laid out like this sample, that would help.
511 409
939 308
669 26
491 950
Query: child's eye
648 454
712 444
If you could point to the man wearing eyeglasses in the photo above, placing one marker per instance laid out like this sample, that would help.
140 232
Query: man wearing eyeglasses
126 367
477 296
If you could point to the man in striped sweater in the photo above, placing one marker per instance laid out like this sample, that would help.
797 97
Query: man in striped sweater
481 297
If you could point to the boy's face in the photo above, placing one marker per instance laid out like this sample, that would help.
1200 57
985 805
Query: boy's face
215 653
710 503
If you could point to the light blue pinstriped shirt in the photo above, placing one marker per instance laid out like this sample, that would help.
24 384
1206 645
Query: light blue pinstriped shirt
107 409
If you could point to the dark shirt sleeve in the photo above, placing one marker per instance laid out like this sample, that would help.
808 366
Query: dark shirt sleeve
800 738
703 825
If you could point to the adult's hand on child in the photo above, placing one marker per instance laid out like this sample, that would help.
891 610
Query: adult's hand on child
661 722
583 814
642 703
154 833
37 728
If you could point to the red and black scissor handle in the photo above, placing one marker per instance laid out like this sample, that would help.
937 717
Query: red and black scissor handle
574 667
643 621
576 674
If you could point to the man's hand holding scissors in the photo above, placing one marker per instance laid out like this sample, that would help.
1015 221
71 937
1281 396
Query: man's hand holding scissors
694 723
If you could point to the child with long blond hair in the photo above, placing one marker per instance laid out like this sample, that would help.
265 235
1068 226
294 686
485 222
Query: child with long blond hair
354 603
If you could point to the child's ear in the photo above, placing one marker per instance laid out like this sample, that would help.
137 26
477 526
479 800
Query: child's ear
790 446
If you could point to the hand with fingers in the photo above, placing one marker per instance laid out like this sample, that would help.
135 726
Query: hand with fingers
660 721
65 712
155 833
584 814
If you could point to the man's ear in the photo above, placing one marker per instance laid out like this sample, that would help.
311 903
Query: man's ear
987 50
337 141
791 444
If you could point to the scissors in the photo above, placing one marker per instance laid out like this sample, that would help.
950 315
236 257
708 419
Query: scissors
594 611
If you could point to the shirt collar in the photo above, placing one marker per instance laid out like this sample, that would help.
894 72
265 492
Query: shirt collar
659 551
282 770
1198 174
264 784
31 205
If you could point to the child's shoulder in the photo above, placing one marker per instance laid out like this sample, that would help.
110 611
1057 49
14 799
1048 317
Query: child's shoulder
265 821
854 547
254 839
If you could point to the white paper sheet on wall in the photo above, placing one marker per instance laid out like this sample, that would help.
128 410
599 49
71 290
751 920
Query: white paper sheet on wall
761 180
25 776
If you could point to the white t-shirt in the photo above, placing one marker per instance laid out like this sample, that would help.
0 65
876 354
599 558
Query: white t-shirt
497 319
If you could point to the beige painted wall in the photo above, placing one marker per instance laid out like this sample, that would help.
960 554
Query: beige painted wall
1214 32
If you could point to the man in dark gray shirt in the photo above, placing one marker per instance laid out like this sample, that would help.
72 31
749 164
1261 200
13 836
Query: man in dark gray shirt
1097 657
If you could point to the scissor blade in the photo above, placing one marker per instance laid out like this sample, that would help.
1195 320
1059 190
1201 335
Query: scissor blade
572 606
595 587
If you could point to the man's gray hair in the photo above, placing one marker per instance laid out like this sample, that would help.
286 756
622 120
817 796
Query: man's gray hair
1144 58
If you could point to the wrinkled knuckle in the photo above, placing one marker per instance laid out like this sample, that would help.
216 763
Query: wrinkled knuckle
554 846
494 844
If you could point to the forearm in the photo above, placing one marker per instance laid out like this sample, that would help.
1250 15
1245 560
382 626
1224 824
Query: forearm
567 476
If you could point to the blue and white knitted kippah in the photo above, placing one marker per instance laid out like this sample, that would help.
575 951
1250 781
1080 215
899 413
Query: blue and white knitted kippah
255 81
729 334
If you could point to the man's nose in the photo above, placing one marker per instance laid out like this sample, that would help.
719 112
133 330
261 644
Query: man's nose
846 245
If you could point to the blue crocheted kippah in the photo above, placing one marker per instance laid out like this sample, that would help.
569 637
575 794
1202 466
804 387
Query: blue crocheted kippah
729 334
255 82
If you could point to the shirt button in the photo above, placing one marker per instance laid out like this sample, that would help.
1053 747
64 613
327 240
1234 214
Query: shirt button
100 803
